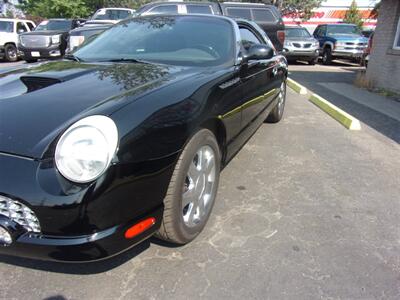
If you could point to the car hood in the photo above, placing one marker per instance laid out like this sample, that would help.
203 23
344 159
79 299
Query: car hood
38 103
349 37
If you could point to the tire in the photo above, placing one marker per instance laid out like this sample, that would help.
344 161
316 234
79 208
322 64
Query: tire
11 53
327 56
277 112
178 226
31 60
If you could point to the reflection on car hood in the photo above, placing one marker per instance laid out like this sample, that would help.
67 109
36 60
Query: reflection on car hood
38 103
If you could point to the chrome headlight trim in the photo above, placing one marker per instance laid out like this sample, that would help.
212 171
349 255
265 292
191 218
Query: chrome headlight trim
85 150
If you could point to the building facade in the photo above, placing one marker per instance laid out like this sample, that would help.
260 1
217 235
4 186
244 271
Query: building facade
333 11
384 65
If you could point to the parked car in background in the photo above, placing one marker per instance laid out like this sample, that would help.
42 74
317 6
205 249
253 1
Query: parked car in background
267 17
367 51
300 45
110 15
367 33
79 35
340 41
9 31
48 40
127 138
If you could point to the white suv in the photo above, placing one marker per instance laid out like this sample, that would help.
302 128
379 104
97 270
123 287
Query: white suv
9 30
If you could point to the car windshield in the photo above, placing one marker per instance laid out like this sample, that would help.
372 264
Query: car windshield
6 26
177 40
64 25
296 32
111 14
343 29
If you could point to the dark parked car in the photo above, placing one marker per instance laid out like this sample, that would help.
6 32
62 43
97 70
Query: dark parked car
340 41
267 17
368 51
48 40
127 138
300 45
81 34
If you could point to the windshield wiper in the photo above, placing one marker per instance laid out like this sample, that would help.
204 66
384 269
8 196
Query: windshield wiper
72 57
131 60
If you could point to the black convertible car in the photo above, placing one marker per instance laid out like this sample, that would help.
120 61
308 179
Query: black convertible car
126 137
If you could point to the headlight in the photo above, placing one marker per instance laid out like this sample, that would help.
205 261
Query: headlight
75 41
287 44
85 150
55 39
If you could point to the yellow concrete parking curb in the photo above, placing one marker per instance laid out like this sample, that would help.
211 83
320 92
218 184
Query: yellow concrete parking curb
296 87
335 112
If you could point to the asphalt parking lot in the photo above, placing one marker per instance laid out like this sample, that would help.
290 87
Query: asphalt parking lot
306 210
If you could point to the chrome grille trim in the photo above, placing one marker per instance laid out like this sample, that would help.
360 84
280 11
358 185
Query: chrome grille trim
20 214
35 41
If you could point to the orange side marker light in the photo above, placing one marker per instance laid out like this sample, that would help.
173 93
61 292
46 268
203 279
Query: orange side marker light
140 227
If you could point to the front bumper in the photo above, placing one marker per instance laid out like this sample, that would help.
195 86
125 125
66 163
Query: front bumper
82 222
292 53
96 246
355 53
52 52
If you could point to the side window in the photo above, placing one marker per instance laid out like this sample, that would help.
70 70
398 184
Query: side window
21 27
396 44
322 31
263 15
164 9
30 25
244 13
198 9
248 38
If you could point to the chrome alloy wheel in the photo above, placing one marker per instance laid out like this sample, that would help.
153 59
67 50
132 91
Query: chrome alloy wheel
281 98
197 197
12 53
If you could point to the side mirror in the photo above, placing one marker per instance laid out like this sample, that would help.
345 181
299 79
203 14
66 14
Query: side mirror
258 52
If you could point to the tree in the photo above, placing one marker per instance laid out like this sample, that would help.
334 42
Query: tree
96 4
297 8
353 16
55 8
375 12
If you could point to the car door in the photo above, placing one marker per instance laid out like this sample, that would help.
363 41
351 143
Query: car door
319 34
258 77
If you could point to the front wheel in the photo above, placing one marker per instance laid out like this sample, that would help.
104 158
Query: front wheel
192 191
277 112
11 53
327 56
